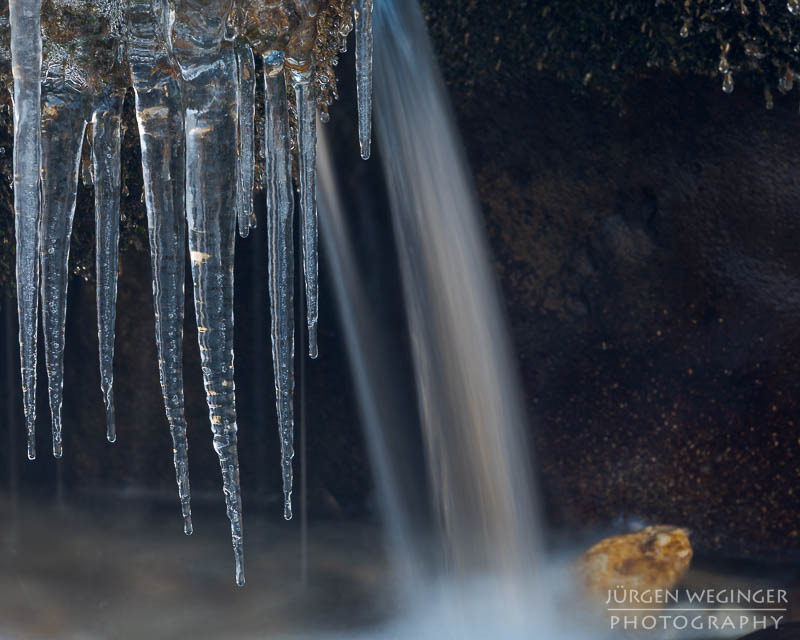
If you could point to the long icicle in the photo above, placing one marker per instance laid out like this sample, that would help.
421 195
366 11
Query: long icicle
245 104
26 63
280 216
106 148
64 119
362 10
301 78
209 98
159 115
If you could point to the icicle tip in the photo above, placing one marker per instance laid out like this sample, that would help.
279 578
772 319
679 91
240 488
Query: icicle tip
239 554
313 348
287 507
111 427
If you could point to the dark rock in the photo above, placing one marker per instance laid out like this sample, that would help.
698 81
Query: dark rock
670 393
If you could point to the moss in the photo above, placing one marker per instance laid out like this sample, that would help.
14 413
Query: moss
600 45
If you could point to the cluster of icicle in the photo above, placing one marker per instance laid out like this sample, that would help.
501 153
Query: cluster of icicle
192 68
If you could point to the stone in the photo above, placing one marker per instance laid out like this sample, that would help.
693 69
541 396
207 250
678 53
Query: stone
652 560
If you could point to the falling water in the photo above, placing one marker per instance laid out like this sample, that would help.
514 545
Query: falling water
373 374
472 420
489 577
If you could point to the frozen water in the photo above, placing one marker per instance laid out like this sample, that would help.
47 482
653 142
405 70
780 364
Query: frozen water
26 62
301 80
208 72
106 149
193 75
362 10
280 226
245 99
159 114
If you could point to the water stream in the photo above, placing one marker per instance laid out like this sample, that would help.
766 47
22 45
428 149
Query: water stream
472 418
479 570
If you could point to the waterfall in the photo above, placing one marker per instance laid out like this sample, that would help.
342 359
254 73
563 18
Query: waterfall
471 413
487 575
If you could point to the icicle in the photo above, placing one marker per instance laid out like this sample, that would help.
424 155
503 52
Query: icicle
159 116
301 77
245 98
209 98
26 57
64 119
106 146
280 216
362 10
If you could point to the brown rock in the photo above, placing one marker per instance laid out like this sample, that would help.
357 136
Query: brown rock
653 559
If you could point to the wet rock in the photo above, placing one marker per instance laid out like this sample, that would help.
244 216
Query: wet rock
628 566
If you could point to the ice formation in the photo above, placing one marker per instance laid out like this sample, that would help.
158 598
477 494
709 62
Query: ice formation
26 55
192 67
280 211
363 14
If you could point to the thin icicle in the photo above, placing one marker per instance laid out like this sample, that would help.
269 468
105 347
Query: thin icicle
106 138
362 10
208 70
245 99
64 119
160 120
26 62
280 217
301 80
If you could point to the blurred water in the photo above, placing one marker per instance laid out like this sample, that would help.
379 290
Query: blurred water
374 378
476 575
471 414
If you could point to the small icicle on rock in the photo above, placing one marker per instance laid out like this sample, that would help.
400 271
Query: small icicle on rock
80 85
26 63
245 105
362 11
106 162
64 115
280 232
301 80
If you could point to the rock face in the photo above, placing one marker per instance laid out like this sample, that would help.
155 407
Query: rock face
653 285
653 559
